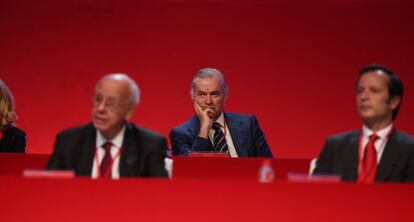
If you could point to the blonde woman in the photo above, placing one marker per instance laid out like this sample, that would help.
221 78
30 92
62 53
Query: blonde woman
12 139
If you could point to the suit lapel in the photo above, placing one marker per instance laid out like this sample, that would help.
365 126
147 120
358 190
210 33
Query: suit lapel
236 132
389 157
129 155
86 152
351 156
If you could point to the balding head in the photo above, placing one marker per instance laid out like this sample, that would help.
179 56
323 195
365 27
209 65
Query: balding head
134 92
114 102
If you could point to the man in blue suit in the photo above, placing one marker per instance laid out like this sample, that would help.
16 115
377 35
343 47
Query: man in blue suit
212 129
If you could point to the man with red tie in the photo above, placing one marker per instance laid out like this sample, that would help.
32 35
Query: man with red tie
110 146
378 152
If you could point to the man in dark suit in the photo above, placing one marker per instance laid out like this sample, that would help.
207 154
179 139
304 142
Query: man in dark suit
378 152
110 146
212 129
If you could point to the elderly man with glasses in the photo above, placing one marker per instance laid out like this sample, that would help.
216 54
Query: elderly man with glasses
111 147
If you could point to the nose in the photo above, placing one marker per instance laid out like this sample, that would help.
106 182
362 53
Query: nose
101 106
209 100
364 95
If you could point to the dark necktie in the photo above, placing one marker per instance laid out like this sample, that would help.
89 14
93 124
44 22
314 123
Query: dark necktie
219 142
369 162
106 161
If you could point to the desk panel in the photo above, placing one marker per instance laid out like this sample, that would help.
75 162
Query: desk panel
83 199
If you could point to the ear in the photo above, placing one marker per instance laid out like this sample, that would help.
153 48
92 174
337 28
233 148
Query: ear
130 112
394 102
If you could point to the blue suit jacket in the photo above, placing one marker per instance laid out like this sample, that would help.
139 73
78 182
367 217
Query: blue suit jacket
245 132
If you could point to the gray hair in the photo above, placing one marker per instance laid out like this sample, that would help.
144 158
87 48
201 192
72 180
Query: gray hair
208 73
135 92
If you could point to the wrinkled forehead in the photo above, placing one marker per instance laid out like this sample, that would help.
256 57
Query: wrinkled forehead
207 84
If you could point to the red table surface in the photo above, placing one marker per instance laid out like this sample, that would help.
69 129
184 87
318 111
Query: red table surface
83 199
183 167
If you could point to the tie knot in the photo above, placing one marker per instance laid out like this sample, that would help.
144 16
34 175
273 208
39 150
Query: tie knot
216 126
373 137
107 146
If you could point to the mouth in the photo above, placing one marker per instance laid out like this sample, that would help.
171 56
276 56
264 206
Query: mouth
99 119
365 107
207 107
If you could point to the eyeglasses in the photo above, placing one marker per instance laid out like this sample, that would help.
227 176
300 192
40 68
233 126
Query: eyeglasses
109 103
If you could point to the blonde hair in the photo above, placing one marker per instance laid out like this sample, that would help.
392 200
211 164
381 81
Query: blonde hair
7 113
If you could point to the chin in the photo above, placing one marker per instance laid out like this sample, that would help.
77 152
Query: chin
365 114
100 127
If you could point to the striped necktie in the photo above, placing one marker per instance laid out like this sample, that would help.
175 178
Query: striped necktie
219 142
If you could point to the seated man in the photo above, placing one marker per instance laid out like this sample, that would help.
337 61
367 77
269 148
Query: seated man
110 147
378 152
212 129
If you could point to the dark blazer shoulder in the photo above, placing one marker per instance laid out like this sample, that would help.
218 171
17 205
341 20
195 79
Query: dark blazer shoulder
343 138
239 116
145 133
190 124
77 131
404 137
14 130
13 140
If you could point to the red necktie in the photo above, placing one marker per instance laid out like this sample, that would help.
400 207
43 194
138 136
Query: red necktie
369 162
106 161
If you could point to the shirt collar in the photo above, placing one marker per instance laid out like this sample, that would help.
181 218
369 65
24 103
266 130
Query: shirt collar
382 134
221 119
116 141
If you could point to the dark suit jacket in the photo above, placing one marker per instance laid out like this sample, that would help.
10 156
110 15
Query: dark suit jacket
340 156
142 154
13 140
246 134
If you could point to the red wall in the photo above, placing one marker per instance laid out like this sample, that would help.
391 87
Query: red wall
293 64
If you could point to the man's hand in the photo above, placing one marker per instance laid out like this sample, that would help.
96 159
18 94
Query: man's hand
205 116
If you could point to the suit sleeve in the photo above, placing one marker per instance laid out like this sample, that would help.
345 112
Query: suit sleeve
262 148
56 161
409 177
324 162
182 143
156 167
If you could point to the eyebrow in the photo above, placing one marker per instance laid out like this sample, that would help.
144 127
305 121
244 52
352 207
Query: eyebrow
214 91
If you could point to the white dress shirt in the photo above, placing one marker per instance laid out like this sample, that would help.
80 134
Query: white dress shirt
115 149
226 131
381 141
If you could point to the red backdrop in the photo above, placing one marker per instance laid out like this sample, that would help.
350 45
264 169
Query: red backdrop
292 64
